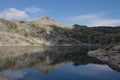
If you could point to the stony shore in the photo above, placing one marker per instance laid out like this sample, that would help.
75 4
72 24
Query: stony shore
111 56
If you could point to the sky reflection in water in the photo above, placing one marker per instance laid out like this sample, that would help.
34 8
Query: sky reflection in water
68 72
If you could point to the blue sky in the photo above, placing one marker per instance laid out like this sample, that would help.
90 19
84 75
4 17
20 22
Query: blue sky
84 12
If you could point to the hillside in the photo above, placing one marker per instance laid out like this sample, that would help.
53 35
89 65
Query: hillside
46 31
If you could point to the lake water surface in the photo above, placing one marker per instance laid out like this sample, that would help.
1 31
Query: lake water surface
52 63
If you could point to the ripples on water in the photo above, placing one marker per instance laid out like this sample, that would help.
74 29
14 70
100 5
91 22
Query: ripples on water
52 63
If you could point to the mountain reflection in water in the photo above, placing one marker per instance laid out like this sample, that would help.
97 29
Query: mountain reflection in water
52 63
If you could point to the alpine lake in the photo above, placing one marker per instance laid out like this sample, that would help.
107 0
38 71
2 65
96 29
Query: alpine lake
53 63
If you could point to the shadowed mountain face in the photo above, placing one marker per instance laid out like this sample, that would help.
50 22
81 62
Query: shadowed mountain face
46 31
43 59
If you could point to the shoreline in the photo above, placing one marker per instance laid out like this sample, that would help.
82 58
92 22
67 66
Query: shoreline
110 57
55 45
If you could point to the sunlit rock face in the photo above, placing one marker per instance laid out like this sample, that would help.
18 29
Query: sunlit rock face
44 31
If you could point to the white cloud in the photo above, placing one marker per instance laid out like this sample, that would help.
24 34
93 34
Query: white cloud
95 20
13 13
34 10
106 22
84 17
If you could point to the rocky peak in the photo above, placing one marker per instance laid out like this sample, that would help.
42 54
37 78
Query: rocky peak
45 18
48 21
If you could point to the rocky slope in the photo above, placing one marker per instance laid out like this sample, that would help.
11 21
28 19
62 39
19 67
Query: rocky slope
46 31
109 54
103 35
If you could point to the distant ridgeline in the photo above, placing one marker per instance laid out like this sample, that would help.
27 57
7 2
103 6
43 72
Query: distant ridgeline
46 31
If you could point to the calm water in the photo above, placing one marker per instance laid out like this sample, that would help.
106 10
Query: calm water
52 63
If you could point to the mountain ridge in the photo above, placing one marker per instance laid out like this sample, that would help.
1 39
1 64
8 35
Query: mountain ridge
28 33
46 31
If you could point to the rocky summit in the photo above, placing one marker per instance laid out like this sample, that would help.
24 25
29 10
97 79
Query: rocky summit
46 31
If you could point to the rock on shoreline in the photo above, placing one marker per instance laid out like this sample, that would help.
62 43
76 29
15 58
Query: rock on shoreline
110 56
